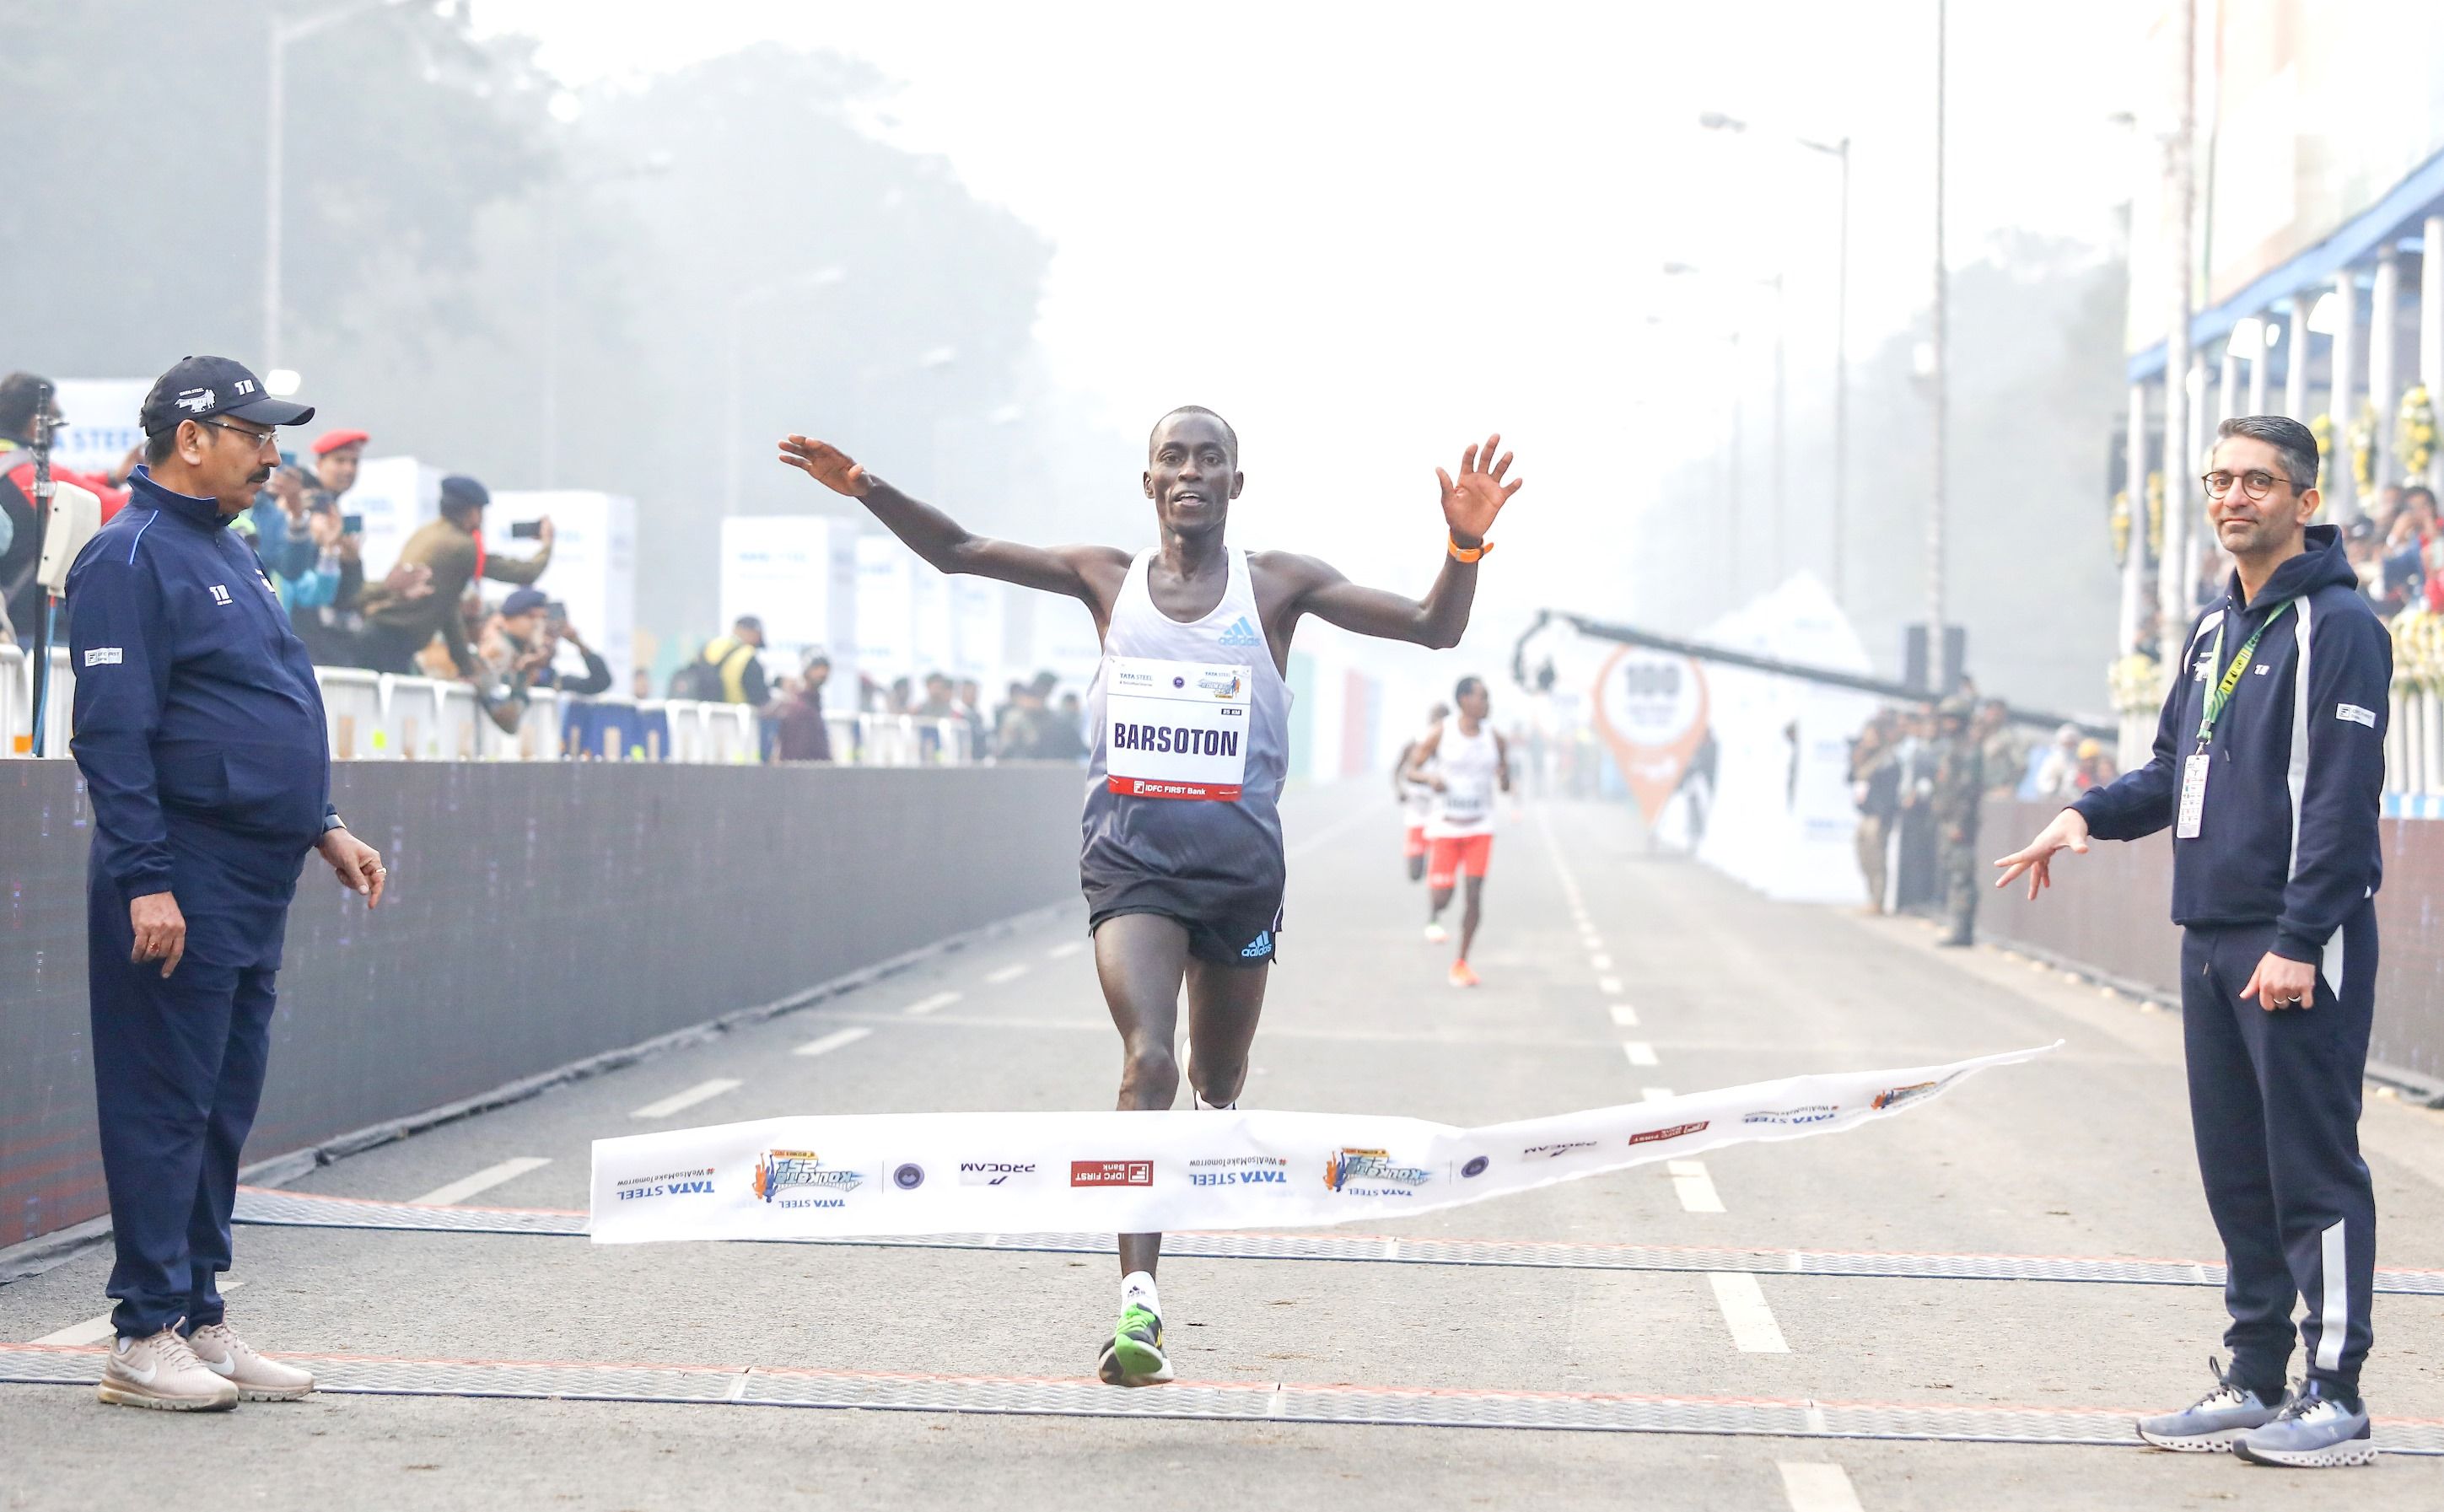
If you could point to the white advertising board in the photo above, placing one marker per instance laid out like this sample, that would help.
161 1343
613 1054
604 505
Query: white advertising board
593 567
798 574
100 422
398 496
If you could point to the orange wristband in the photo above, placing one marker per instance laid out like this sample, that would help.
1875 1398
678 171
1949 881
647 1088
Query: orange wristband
1461 553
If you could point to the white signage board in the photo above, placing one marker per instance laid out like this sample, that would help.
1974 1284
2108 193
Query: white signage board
593 567
886 611
102 426
979 628
398 496
797 574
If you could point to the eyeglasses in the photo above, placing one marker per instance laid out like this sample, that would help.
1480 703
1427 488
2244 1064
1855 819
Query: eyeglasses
2256 483
260 438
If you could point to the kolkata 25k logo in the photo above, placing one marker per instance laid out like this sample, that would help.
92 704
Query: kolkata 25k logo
799 1178
1346 1167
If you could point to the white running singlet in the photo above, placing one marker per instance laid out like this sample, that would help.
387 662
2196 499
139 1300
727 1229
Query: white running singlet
1469 765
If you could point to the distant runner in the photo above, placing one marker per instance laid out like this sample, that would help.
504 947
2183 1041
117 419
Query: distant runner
1182 864
1462 767
1417 796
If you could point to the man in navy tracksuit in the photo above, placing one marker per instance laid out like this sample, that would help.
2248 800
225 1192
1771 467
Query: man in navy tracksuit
200 731
2269 768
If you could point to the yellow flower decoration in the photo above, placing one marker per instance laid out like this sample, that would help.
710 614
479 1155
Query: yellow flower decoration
2136 683
2363 448
2414 432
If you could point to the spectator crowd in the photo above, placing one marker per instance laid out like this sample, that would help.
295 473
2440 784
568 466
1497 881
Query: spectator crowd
426 616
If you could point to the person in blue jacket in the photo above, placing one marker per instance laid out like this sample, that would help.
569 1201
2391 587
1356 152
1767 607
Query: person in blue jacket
198 727
2269 768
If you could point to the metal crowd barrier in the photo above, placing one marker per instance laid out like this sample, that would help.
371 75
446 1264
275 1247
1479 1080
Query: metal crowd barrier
376 716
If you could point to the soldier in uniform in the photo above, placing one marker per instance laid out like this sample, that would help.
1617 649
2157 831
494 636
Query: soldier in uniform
1959 785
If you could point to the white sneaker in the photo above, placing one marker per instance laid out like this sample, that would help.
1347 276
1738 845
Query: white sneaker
161 1371
234 1360
1436 935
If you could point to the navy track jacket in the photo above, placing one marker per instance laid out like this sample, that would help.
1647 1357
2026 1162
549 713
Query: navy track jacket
196 707
2288 832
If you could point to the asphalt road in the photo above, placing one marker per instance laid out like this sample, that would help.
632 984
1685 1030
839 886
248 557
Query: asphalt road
1592 945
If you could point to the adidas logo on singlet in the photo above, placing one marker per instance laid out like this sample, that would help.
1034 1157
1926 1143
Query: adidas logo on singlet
1264 940
1241 633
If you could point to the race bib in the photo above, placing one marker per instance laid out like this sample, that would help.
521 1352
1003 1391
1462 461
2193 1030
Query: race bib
1175 729
2193 796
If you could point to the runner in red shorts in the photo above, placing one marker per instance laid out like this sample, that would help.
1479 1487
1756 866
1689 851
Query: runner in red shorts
1467 766
1417 796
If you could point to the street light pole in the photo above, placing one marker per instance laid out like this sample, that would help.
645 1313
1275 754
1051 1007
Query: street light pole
282 35
1935 522
816 277
1840 150
653 163
275 120
1716 120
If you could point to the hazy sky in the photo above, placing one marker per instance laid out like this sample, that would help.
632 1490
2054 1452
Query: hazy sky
1367 233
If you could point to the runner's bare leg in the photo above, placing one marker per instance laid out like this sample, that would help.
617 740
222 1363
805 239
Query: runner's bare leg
1141 959
1469 914
1224 1002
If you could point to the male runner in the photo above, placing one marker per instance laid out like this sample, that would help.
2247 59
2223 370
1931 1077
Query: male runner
1417 796
1182 865
1467 766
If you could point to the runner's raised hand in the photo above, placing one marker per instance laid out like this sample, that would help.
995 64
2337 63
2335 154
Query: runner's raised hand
828 465
1470 502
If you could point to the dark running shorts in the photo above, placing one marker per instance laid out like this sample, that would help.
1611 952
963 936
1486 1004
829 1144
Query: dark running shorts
1248 939
1218 869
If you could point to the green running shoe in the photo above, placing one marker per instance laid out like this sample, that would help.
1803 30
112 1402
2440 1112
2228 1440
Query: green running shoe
1135 1357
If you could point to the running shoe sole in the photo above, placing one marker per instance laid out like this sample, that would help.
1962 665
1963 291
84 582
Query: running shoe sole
118 1395
1128 1363
2218 1441
2348 1453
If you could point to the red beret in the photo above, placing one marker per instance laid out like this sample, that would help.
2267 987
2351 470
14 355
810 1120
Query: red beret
330 441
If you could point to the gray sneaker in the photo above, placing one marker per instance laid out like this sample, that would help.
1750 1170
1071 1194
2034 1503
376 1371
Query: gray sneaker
2313 1432
159 1371
2219 1418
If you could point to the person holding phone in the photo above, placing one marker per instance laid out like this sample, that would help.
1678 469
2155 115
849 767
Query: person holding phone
451 552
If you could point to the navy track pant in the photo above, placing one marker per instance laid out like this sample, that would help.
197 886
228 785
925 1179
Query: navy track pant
2275 1100
177 1070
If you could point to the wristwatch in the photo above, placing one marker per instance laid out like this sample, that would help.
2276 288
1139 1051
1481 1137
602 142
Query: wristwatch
332 822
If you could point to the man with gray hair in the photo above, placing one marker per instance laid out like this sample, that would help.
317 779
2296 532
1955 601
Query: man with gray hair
2269 768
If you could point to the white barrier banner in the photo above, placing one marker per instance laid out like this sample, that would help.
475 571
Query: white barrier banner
852 1174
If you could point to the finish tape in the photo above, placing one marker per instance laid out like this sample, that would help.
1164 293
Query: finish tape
851 1175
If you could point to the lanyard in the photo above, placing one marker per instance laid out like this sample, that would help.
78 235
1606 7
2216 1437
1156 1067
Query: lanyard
2220 694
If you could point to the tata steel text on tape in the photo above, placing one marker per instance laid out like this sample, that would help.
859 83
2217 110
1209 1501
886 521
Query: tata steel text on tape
852 1174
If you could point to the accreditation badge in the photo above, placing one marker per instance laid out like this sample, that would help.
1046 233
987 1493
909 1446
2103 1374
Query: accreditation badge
2193 796
1175 729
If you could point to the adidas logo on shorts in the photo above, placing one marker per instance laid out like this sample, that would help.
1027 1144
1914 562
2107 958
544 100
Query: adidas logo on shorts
1262 943
1241 633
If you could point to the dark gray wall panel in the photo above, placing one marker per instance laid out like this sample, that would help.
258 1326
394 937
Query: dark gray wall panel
537 914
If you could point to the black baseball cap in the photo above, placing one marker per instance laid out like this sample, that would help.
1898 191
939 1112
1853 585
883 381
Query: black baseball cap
197 387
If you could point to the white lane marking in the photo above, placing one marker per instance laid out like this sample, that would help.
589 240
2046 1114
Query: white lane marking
1654 1093
1751 1322
681 1102
1814 1487
1009 973
1695 1187
1639 1053
94 1330
1608 986
1601 963
925 1006
484 1180
1624 1015
1062 953
833 1041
